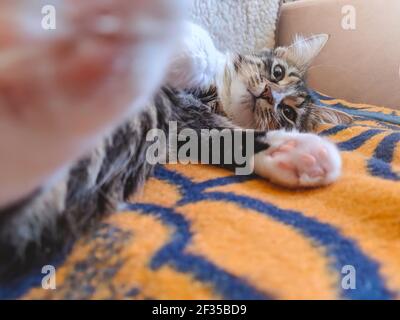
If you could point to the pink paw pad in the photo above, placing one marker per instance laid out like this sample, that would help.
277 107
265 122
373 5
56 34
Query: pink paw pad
308 160
316 172
323 153
286 165
286 147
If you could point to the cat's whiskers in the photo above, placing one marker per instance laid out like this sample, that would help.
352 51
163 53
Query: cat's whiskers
268 117
276 119
258 72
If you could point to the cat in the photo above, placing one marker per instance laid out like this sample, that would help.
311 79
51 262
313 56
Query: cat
265 91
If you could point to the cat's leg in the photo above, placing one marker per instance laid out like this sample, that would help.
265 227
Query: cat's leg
296 159
62 89
289 159
196 62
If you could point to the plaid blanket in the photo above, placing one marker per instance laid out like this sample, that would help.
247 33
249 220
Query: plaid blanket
199 232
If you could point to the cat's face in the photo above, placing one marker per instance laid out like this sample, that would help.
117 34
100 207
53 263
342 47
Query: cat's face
267 90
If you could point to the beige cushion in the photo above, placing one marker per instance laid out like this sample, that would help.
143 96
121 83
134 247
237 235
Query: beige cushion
360 65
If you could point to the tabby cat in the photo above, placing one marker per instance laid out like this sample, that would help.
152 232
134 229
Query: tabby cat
265 91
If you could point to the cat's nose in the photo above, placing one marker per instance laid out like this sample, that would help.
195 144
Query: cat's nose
267 95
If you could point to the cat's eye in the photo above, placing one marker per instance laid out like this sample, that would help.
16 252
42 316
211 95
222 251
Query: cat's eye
289 112
278 72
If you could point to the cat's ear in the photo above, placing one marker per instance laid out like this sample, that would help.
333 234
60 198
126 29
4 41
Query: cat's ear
303 50
325 115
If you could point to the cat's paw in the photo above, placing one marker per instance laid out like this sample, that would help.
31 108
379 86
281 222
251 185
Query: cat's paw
61 90
298 160
82 77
